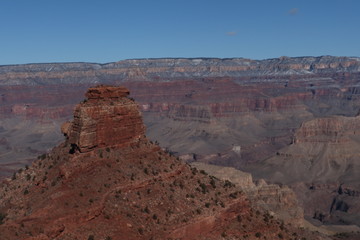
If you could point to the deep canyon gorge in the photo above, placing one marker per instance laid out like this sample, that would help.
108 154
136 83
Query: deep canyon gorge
289 121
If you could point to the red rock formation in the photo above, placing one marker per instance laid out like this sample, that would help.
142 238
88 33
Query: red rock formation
106 118
331 130
129 189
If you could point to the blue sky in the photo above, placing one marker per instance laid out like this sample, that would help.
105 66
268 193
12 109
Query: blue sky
109 30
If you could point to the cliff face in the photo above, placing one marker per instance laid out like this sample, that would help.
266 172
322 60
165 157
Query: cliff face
106 118
337 129
324 156
131 190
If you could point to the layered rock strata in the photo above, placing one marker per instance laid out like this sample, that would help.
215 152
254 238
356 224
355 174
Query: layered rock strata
130 190
106 118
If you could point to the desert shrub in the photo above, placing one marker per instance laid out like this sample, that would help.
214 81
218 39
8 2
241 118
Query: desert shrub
342 235
203 188
146 209
233 195
228 184
2 217
258 235
212 183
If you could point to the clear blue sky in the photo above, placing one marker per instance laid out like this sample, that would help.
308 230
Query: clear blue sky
111 30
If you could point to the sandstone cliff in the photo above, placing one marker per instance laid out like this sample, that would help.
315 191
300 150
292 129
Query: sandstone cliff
104 107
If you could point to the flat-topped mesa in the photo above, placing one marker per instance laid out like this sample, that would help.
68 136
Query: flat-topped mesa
106 118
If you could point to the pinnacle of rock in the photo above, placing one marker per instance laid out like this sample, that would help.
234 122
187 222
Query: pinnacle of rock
106 118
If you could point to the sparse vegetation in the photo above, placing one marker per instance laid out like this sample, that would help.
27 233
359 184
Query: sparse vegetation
342 235
233 195
2 217
212 183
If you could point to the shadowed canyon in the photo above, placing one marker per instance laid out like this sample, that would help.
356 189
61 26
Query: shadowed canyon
290 121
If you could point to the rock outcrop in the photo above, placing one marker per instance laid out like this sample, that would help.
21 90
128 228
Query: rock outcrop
323 157
106 118
280 201
131 190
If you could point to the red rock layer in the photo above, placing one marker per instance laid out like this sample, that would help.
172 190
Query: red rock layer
106 118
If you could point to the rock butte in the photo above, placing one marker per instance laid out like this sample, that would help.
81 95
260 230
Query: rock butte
97 124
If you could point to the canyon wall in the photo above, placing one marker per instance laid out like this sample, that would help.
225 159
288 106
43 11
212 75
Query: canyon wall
287 120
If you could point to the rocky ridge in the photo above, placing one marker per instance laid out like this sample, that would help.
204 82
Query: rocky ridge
157 69
280 201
